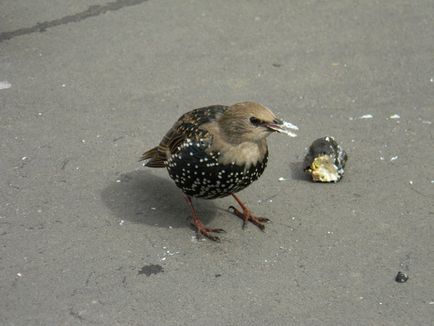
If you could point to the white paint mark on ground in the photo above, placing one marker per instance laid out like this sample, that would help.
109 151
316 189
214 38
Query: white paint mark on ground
395 116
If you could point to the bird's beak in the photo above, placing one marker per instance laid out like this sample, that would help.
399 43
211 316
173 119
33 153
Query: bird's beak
282 126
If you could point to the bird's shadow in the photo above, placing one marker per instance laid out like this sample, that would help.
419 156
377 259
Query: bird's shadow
297 171
141 197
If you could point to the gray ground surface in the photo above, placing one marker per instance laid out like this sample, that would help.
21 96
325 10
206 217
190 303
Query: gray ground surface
90 237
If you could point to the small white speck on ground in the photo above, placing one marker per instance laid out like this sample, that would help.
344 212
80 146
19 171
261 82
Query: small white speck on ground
361 298
163 259
410 182
77 168
270 200
39 113
431 302
153 208
19 274
63 85
4 84
170 227
381 158
380 303
432 181
426 122
121 222
431 80
24 158
395 116
394 158
329 232
118 180
83 141
39 210
365 116
281 179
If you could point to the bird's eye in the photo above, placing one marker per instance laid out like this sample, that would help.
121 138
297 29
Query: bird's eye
255 121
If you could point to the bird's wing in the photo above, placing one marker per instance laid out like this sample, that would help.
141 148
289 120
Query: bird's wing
187 127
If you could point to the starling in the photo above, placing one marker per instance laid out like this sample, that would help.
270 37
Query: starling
217 151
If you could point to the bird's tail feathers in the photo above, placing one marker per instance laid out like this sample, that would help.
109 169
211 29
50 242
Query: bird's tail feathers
155 160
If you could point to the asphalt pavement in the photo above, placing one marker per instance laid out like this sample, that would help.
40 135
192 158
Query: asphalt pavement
91 237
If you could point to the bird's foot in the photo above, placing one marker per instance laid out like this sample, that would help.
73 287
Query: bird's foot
205 231
200 227
247 216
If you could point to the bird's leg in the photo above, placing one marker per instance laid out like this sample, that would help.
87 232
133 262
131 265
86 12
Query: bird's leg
247 215
200 227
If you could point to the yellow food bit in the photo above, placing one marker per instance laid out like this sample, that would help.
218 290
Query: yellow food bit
322 169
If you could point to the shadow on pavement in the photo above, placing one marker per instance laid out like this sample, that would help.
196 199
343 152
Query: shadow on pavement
142 197
297 172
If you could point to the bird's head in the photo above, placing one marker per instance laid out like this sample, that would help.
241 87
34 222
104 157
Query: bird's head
249 121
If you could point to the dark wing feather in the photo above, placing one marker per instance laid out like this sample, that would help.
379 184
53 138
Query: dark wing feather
187 127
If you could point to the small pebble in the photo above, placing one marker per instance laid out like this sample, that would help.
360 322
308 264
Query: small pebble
401 277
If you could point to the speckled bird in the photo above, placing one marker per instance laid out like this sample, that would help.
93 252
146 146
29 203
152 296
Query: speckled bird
217 151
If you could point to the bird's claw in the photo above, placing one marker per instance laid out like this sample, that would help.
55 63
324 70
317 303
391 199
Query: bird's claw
247 216
206 232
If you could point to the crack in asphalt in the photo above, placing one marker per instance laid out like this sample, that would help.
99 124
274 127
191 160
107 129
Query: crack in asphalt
92 11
